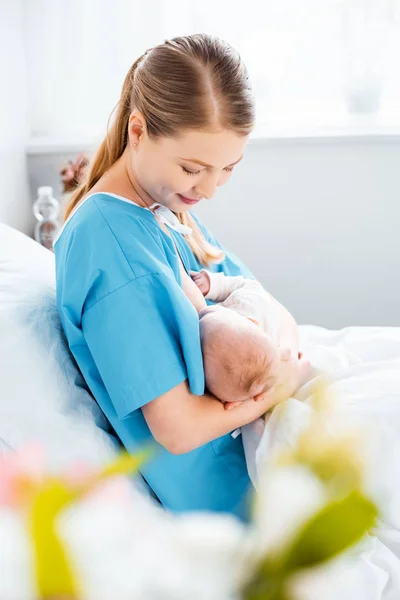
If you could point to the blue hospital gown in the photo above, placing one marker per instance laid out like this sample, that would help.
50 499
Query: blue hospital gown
135 335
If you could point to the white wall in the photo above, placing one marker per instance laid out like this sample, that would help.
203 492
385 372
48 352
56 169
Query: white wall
318 221
15 204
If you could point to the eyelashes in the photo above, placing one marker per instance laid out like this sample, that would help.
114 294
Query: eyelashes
227 169
190 172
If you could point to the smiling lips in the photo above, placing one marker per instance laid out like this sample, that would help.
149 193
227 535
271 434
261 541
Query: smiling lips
188 201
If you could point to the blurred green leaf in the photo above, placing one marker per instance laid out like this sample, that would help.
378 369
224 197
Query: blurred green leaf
265 586
335 528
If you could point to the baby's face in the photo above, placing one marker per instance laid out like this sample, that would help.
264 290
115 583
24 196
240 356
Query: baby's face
232 345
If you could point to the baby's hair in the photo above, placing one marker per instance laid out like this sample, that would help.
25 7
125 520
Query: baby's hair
257 378
245 367
197 82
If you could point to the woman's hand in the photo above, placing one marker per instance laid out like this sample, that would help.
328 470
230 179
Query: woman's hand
202 281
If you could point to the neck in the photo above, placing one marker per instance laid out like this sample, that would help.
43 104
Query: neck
121 180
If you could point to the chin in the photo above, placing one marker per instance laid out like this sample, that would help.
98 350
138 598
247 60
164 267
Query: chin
175 205
181 207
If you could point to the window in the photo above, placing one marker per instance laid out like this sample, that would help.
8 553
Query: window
315 64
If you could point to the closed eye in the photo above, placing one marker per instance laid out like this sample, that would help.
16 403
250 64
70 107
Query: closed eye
227 169
190 172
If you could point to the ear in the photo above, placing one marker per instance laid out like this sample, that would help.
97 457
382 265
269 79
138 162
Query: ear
253 321
136 126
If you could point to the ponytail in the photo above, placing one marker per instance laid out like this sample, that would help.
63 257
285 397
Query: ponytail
113 145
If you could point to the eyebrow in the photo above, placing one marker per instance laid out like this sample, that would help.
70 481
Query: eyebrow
203 164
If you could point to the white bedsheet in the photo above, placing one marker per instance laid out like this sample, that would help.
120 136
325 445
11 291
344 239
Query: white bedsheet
364 364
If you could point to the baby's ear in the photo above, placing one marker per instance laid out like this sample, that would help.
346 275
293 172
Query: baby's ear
253 321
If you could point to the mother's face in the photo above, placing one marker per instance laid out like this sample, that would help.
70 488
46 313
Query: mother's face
179 172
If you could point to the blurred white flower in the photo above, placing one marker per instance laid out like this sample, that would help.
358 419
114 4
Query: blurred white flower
16 574
214 550
287 498
130 548
118 548
329 581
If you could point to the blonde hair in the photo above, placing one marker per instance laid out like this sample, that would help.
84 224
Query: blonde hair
193 82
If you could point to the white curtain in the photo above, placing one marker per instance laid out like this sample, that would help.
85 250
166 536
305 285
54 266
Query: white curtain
314 63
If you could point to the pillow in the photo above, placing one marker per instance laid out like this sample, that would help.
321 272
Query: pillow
43 396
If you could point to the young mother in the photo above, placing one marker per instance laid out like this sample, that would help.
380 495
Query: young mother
127 303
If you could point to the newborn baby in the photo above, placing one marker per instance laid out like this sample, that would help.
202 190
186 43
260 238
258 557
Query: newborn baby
249 341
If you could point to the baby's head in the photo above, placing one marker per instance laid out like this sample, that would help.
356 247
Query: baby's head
239 358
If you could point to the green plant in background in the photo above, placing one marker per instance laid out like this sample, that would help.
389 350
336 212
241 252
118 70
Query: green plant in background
335 463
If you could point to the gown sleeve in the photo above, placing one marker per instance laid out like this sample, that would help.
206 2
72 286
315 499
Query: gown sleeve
144 340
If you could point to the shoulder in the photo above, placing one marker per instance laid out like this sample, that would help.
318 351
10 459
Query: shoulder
108 242
109 217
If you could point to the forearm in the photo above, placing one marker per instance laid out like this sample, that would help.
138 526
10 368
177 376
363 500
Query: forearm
189 421
210 420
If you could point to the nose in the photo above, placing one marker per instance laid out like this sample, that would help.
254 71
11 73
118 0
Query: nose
205 191
207 187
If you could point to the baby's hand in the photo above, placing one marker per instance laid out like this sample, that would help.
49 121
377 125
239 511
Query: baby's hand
202 281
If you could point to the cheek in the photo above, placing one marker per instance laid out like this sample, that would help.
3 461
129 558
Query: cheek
174 181
224 177
156 176
183 182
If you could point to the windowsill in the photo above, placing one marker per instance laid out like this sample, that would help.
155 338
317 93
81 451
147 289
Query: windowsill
60 145
348 133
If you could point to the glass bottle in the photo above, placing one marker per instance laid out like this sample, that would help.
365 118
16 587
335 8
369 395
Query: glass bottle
46 210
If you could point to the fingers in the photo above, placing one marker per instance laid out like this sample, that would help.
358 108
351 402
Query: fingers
230 405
